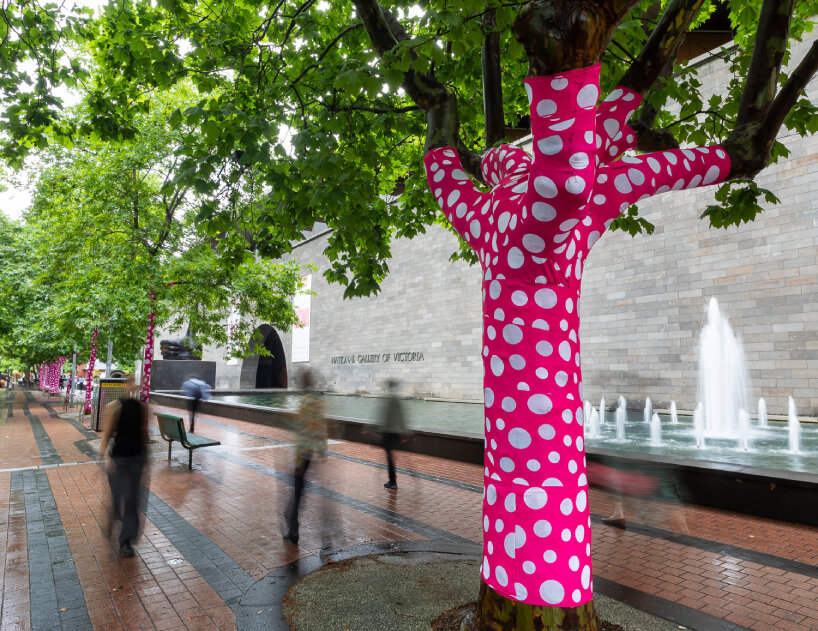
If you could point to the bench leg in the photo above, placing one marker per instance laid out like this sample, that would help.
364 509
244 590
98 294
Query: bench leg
170 444
190 459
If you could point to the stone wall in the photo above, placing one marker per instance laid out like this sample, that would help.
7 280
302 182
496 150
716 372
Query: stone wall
427 305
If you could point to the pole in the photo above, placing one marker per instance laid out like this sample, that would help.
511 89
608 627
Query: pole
110 352
74 367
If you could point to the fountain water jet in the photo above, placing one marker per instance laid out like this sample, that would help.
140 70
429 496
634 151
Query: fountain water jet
648 410
698 425
723 377
621 415
602 411
762 413
586 412
593 424
794 428
655 431
744 430
674 417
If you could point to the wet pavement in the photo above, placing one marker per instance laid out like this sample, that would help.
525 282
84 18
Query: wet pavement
212 557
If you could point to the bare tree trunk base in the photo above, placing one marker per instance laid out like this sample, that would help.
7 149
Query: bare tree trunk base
463 618
494 612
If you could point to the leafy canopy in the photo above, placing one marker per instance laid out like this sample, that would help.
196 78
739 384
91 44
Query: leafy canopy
289 99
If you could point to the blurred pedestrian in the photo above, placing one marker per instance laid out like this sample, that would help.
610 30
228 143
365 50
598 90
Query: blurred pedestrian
393 430
197 391
126 422
310 443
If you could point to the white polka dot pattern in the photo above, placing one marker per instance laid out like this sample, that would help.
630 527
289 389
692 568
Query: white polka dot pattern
532 233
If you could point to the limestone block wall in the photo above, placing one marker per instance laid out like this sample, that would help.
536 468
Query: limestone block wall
427 306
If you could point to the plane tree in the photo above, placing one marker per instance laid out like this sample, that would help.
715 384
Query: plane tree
113 246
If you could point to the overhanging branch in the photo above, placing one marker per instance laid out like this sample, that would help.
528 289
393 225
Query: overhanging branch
662 46
492 82
792 90
772 37
434 98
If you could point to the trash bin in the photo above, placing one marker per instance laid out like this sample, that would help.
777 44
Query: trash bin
108 390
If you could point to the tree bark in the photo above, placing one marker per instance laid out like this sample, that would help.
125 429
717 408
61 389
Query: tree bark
772 37
498 613
750 143
495 123
659 53
561 35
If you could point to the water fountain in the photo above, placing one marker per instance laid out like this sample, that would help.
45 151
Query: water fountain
762 413
723 377
648 410
655 431
743 430
602 411
794 428
621 415
586 411
674 417
593 424
698 425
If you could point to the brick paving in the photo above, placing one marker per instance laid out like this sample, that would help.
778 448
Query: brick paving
211 543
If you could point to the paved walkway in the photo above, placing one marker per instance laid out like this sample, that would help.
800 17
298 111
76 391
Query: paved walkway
212 558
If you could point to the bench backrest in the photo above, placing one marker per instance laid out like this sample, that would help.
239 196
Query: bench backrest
172 427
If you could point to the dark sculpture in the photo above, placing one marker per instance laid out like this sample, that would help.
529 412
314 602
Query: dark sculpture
182 348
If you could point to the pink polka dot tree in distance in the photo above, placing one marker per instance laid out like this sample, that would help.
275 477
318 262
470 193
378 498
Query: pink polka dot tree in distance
532 229
89 374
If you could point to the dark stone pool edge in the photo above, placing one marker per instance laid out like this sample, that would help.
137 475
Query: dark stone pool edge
772 493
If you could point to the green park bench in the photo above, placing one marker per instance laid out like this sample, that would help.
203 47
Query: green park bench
173 428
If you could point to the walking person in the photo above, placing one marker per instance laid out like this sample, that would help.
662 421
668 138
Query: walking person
393 430
126 423
310 443
197 391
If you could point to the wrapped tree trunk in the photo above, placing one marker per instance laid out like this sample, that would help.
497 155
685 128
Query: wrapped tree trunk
89 374
145 391
56 368
532 233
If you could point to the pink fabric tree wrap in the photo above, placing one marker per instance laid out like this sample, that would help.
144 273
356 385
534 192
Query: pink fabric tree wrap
145 390
89 376
532 233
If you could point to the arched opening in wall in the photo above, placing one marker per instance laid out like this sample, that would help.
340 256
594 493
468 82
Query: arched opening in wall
265 372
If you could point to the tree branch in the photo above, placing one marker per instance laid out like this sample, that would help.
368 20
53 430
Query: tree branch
772 37
376 110
434 98
792 90
662 46
326 50
761 113
749 145
495 123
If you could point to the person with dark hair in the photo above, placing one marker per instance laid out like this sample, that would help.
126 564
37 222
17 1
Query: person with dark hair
126 422
311 442
393 430
197 391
